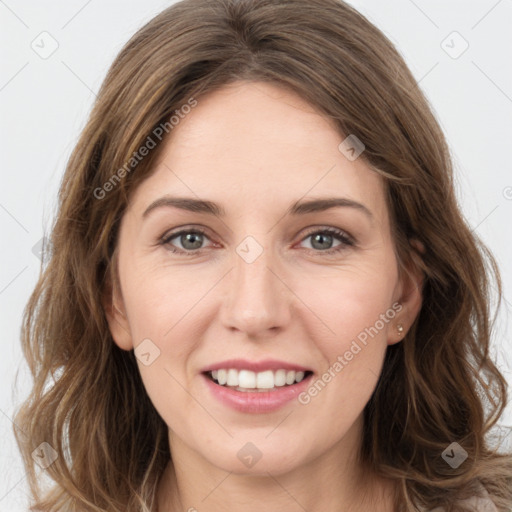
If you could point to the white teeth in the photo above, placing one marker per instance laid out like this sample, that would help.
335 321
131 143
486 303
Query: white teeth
222 376
280 378
265 379
232 378
247 379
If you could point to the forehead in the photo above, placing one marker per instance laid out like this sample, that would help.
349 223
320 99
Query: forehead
258 142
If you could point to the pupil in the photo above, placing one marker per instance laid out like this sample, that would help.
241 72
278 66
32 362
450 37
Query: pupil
321 237
191 237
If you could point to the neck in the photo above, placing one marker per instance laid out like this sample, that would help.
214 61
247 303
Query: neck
336 477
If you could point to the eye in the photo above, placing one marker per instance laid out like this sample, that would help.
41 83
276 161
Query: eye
191 241
322 240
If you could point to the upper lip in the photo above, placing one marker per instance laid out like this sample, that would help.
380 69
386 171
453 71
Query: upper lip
255 366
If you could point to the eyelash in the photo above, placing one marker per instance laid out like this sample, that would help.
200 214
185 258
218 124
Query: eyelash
346 241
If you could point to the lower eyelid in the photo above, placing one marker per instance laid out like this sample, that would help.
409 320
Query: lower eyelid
344 239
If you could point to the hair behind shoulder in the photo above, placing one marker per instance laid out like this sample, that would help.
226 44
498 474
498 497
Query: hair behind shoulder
88 401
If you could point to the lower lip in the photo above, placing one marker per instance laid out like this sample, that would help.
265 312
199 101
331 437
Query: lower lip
256 401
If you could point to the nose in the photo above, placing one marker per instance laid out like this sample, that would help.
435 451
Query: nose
257 301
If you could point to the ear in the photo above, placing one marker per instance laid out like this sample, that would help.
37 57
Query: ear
115 313
411 292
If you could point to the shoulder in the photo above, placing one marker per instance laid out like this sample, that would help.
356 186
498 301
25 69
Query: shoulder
481 503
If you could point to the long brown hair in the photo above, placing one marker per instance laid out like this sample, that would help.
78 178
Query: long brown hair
88 401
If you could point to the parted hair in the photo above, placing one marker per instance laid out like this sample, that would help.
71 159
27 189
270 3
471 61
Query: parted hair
439 385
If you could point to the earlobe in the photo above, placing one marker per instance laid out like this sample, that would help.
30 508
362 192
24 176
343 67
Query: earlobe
411 297
398 330
117 319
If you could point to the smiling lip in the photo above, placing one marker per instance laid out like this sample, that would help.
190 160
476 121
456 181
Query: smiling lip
256 402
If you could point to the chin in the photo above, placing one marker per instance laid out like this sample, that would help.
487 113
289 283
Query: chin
255 458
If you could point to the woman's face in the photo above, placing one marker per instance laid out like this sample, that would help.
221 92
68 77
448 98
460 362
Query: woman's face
268 288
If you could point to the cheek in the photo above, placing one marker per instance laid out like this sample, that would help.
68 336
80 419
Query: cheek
164 307
357 311
158 299
347 302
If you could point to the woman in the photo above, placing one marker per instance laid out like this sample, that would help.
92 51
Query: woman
194 344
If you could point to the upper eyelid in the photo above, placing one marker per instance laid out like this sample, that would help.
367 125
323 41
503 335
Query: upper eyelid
179 231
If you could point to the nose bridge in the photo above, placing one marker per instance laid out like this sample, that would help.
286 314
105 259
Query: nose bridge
256 299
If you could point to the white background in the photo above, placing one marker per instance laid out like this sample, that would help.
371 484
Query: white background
44 104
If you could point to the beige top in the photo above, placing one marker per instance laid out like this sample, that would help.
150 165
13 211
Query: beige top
477 504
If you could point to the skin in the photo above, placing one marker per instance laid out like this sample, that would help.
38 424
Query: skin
255 148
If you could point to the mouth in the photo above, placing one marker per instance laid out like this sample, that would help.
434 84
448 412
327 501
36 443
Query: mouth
248 381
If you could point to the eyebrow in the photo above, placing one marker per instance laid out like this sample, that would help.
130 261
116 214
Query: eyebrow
297 208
